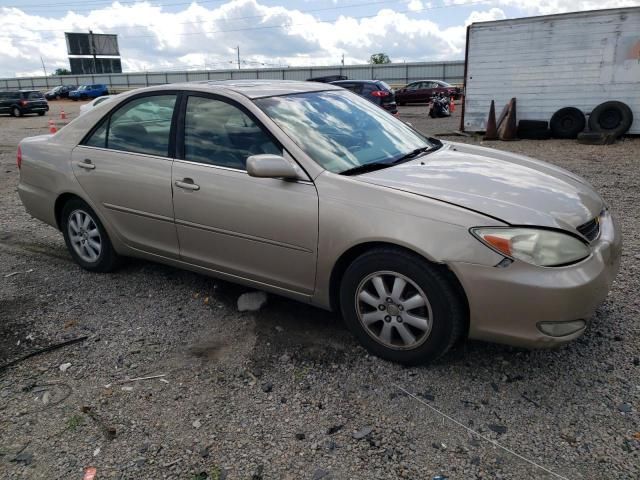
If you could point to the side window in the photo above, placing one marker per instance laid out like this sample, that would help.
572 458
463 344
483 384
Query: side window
218 133
99 137
142 126
354 87
415 86
367 88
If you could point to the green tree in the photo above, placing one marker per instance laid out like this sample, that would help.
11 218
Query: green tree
61 71
379 58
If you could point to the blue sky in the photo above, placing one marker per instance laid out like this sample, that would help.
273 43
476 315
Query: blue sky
178 34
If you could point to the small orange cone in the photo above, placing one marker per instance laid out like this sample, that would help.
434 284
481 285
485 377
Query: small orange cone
63 116
452 107
52 127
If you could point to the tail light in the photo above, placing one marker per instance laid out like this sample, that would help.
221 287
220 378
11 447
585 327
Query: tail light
23 103
19 157
380 93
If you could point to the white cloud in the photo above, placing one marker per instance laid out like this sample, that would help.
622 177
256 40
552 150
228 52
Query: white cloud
548 7
486 16
415 5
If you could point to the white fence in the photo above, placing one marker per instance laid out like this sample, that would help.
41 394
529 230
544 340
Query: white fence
393 73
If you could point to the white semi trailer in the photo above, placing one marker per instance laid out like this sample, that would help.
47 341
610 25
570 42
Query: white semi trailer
549 62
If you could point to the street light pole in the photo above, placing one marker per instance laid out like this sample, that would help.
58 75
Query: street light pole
238 48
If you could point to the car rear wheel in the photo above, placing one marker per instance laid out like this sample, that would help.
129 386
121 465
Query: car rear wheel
86 238
400 307
41 113
16 112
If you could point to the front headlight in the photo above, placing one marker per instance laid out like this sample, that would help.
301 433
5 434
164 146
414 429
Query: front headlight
545 248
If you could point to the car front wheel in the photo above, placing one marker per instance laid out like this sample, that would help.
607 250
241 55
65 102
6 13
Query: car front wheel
86 238
400 307
16 112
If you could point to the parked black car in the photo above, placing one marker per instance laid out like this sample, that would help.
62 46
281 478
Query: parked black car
61 91
18 103
327 78
375 91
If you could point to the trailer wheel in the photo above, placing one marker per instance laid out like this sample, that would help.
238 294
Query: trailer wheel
614 118
596 138
567 122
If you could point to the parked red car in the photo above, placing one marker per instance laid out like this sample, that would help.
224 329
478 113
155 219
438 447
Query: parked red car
422 91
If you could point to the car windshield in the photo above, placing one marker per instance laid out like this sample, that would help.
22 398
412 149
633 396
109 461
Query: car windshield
342 131
83 87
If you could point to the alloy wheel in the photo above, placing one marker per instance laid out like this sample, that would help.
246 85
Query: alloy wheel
394 310
84 236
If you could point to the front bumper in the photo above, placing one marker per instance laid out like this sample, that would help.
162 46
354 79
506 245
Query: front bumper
507 304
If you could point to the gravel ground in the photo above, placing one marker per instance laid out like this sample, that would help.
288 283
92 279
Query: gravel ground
286 393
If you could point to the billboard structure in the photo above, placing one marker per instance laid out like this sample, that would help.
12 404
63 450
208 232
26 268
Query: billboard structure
93 53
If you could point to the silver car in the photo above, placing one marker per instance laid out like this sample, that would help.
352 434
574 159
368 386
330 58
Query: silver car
309 191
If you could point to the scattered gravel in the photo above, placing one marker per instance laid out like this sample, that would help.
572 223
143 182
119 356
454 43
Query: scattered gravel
331 411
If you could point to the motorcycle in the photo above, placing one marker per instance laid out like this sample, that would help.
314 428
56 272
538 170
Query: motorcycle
439 106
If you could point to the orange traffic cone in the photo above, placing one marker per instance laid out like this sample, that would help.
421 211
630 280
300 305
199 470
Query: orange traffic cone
52 127
63 116
452 107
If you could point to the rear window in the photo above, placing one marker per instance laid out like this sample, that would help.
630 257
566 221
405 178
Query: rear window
384 85
34 95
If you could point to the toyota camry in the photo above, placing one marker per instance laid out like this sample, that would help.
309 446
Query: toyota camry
309 191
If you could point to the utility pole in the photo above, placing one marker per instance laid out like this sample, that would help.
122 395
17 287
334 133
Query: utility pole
343 59
92 46
238 48
43 67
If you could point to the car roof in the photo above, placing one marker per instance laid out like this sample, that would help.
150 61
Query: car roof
259 88
355 81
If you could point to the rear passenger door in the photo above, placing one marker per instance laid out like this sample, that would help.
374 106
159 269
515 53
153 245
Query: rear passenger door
261 229
5 104
124 166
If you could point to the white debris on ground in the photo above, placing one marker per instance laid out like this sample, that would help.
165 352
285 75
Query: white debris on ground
64 367
251 301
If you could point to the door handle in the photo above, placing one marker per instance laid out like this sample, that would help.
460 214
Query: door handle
86 164
187 184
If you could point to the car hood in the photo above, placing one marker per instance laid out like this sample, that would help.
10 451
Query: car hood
512 188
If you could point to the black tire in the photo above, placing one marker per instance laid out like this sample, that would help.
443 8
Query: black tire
614 118
75 99
448 310
533 130
107 260
534 125
567 122
16 112
41 113
596 138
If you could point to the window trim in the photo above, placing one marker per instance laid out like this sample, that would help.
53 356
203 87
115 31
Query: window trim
171 150
181 122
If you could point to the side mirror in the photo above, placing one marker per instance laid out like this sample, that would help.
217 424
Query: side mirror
270 166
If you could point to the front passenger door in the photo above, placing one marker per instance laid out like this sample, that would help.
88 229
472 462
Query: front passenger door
261 229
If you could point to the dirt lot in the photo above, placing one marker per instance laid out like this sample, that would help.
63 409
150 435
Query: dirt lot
286 393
